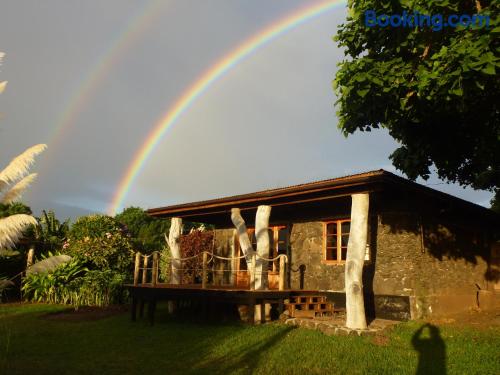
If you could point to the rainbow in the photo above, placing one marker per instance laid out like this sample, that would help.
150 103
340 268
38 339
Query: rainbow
85 88
228 62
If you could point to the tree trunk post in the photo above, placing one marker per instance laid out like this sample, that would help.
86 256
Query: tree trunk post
356 248
204 274
136 268
175 250
262 236
245 244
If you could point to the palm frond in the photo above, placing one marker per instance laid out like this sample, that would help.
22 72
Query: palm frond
20 165
12 227
3 85
48 264
18 189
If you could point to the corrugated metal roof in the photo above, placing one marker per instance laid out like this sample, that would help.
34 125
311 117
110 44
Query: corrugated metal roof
275 191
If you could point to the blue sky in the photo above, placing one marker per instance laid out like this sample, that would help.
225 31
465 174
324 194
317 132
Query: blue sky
269 122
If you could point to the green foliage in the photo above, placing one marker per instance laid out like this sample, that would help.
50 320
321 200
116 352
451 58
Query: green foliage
50 233
435 91
52 287
97 288
112 251
75 285
102 242
14 209
94 226
147 233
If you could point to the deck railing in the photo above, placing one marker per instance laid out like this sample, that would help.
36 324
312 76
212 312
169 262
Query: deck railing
150 265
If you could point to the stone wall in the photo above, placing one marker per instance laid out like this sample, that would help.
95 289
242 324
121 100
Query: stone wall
306 244
449 271
224 246
407 259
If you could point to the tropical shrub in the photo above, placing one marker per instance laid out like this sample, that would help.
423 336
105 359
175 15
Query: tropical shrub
72 283
50 233
94 226
102 242
97 288
52 287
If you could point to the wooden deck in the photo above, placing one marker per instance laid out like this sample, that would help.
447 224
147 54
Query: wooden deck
150 294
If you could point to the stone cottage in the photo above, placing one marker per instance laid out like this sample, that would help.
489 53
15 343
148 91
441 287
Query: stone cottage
428 253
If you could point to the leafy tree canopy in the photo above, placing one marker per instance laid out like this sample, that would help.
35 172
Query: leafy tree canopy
93 226
147 232
437 92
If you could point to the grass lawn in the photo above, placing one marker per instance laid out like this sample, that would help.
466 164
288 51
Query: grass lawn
30 343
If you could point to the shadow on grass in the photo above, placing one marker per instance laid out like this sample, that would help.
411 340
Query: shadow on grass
431 349
247 357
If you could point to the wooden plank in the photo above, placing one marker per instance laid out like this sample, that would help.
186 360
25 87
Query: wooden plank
136 267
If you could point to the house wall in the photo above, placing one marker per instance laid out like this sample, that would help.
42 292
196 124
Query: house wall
438 269
433 268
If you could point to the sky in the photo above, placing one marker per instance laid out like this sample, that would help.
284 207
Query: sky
93 78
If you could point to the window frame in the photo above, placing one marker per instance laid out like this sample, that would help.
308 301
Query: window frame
339 234
273 245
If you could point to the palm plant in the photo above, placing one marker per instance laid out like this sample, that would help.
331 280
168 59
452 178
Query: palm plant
14 180
50 232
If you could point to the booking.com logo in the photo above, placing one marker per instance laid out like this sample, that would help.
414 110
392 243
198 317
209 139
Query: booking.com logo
415 19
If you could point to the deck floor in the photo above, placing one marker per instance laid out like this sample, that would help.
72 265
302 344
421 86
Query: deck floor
150 294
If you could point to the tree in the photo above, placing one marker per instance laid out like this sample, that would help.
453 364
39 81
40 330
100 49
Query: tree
147 233
14 180
436 92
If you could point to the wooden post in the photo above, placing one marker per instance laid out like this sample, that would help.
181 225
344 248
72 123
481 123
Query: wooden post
282 273
154 271
204 273
136 268
31 255
145 270
252 271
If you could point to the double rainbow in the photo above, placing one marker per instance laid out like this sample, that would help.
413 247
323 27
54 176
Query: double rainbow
203 83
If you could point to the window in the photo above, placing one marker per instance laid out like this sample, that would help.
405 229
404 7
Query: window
277 244
336 237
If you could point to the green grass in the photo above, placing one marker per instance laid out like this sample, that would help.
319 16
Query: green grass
31 344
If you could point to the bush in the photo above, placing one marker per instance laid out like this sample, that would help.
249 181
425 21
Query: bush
193 244
98 288
52 287
75 285
94 226
102 242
